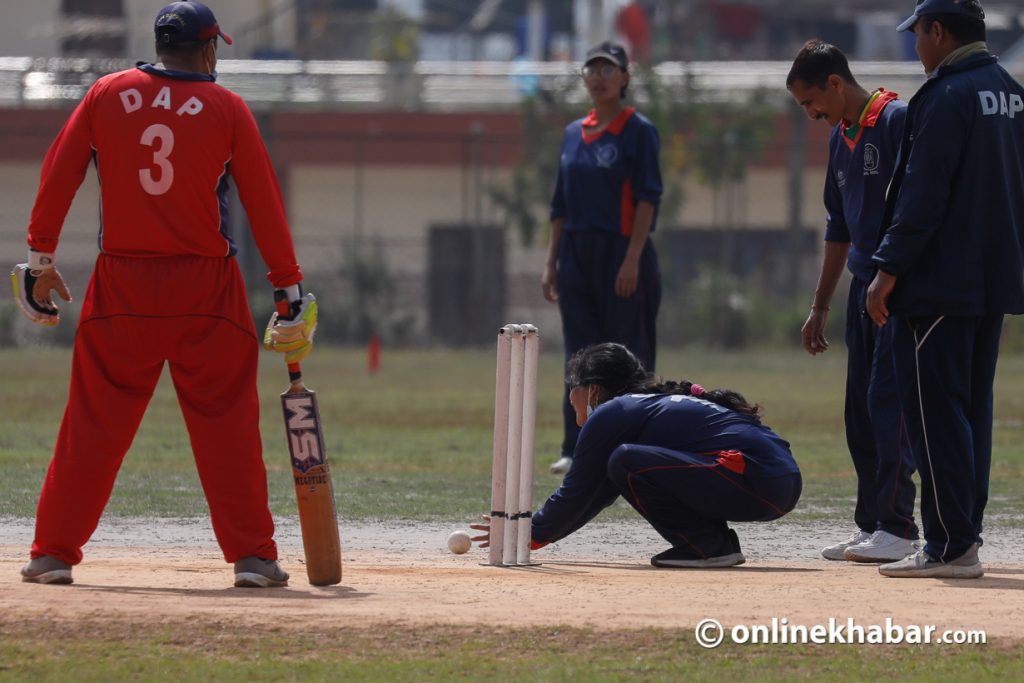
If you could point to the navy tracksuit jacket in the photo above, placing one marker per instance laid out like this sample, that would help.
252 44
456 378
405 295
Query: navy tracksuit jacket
954 235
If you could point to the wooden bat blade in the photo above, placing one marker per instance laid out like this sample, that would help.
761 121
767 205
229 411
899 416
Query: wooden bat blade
314 490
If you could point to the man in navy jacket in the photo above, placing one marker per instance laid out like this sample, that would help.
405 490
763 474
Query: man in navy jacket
950 266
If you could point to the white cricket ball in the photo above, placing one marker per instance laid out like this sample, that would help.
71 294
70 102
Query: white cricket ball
458 542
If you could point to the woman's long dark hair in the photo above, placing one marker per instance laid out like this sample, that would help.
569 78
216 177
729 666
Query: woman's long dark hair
615 369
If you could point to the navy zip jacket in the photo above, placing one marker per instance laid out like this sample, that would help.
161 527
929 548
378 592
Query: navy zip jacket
955 208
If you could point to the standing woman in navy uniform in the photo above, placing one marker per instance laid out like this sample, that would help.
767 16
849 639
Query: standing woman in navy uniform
601 268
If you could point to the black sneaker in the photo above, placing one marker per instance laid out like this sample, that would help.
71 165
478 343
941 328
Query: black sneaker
679 558
46 569
735 542
255 572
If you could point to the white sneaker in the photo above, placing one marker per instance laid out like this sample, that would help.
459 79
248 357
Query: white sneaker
835 552
561 466
921 565
881 547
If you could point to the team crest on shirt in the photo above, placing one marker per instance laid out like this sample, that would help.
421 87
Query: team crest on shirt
870 160
606 155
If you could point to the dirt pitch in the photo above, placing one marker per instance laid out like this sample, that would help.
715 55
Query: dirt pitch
169 570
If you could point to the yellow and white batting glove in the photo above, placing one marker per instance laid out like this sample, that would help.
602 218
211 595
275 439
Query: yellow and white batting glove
293 336
34 283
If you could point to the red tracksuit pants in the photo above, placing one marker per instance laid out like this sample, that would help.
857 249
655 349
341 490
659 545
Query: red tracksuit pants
140 313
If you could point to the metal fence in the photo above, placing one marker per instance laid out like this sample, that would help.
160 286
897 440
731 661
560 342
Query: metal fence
429 86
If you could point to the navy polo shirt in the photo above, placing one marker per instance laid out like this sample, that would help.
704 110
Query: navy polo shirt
859 171
602 177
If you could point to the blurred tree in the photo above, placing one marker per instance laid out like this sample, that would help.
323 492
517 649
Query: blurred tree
366 304
728 137
394 37
528 194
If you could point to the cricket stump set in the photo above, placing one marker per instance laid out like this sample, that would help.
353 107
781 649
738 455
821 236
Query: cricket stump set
515 416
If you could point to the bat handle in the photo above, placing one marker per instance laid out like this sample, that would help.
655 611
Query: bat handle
294 370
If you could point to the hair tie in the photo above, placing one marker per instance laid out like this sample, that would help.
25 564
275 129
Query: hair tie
696 390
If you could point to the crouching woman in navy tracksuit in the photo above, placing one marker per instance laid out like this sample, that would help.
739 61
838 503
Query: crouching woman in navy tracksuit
689 460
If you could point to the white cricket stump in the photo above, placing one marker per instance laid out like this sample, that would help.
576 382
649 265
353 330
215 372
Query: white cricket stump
515 417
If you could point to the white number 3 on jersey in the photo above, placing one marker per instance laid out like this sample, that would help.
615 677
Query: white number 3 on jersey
161 139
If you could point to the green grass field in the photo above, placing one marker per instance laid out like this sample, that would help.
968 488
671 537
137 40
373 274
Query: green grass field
413 442
445 653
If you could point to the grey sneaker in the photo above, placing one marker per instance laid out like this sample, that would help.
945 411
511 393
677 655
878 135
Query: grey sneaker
46 569
836 552
881 547
256 572
921 565
561 466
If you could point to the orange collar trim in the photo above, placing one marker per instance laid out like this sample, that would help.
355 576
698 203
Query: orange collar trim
869 117
614 127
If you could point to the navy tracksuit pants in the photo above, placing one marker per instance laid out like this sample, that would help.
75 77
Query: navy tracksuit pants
588 263
688 498
945 369
874 428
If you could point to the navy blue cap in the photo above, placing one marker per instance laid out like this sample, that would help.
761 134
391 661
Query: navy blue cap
968 8
187 22
613 52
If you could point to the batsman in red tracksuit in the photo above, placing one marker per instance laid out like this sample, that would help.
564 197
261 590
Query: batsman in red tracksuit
165 289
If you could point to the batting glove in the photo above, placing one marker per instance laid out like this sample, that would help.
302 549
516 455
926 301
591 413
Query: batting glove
293 336
33 284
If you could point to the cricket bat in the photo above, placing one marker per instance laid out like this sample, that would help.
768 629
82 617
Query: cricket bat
314 491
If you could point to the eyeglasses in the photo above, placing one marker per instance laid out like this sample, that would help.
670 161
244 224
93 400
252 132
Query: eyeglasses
602 70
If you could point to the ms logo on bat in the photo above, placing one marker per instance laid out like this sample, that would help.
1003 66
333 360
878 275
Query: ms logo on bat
304 438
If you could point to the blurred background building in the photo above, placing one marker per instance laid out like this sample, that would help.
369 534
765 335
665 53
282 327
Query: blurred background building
658 30
415 141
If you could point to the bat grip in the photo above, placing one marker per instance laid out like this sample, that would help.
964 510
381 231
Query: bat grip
283 309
